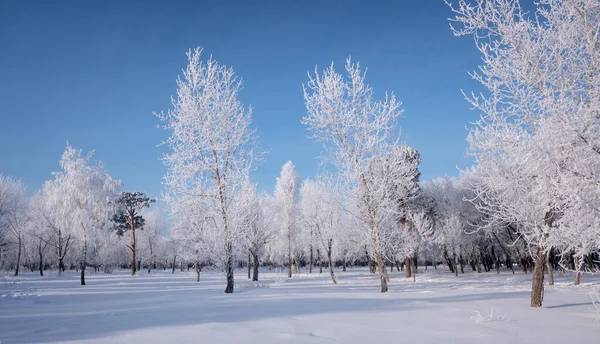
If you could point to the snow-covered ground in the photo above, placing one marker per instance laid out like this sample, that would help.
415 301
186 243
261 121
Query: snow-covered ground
165 308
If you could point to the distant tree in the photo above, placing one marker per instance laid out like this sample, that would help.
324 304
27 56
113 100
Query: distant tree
14 213
287 189
128 218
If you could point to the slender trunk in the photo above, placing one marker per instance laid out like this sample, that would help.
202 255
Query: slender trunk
320 261
256 263
577 271
330 263
249 264
344 264
289 257
229 267
132 225
18 256
173 265
550 272
198 270
41 258
310 259
408 268
84 257
537 284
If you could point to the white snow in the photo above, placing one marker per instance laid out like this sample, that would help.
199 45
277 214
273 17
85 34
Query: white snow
172 308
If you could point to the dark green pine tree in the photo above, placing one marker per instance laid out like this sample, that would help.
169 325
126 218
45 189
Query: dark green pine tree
128 217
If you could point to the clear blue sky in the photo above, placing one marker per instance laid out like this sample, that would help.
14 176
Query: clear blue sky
93 72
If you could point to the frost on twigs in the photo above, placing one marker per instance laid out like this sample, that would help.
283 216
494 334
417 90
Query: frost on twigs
478 318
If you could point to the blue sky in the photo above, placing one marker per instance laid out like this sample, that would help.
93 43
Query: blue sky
93 73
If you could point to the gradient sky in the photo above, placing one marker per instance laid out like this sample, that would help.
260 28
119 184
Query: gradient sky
93 73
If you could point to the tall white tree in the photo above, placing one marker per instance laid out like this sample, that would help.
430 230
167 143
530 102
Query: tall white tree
322 213
354 128
287 189
212 147
537 145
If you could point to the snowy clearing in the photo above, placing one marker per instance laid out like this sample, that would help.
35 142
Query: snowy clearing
164 307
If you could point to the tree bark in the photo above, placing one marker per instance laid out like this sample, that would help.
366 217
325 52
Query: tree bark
174 258
198 270
330 262
18 256
84 258
133 261
577 272
41 258
550 272
537 284
408 267
256 263
310 259
249 264
229 267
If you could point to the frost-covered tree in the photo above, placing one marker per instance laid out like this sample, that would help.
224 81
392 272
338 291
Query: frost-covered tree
537 146
322 214
14 215
394 178
84 197
354 128
128 218
150 238
212 148
287 189
263 229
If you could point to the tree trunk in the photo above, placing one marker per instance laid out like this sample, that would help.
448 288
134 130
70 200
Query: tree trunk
18 256
537 285
330 263
344 264
408 267
198 270
132 224
229 267
550 272
174 258
256 263
41 258
249 264
577 272
84 257
310 259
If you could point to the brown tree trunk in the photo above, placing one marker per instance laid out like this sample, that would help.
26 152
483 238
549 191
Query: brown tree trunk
173 265
537 284
408 267
198 270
